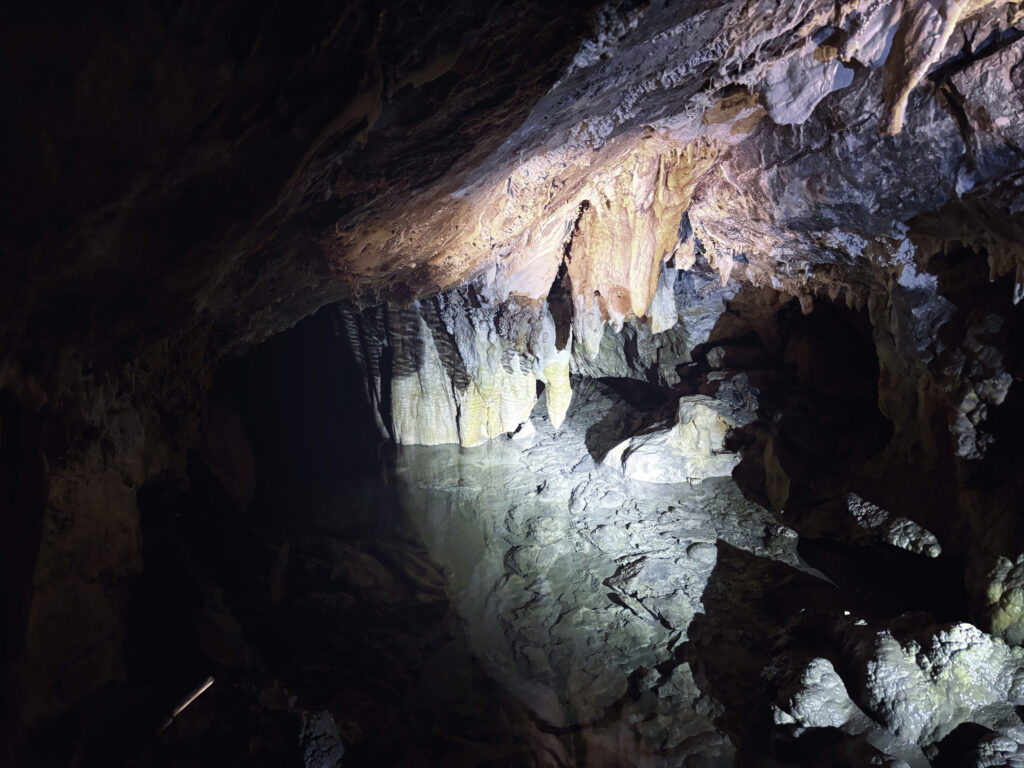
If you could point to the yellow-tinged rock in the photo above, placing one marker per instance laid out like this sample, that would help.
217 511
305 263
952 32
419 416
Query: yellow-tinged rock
631 224
496 404
423 406
557 387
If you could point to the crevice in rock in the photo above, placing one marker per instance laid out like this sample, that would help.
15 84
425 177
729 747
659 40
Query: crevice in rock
885 581
970 54
559 303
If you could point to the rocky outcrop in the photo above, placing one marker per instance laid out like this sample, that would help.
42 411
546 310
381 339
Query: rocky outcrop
896 531
463 367
693 449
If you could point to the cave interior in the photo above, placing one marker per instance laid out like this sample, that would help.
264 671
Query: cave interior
520 384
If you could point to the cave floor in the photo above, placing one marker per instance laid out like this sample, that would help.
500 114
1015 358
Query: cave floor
523 603
615 609
652 624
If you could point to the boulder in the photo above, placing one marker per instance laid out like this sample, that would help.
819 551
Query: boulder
690 451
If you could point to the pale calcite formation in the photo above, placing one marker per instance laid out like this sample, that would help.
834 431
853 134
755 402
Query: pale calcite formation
430 407
481 357
924 29
892 529
922 689
904 694
663 314
424 406
1005 599
819 701
495 403
627 228
690 451
459 368
558 390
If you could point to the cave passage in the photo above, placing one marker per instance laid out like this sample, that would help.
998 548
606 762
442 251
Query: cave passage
555 596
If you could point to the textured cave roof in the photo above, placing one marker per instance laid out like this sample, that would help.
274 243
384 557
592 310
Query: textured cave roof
221 171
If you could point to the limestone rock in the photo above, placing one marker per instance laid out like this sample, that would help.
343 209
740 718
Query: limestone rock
557 389
1005 600
320 740
454 371
897 531
690 451
424 407
820 699
922 689
463 367
90 549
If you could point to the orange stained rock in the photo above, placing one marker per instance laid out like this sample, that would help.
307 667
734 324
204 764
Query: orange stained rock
630 224
923 32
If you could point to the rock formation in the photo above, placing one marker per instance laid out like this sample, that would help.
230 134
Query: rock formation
639 379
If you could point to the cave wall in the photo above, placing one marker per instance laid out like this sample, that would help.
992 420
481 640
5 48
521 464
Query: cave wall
151 236
110 436
465 366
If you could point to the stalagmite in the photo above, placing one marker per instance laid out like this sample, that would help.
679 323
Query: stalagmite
557 389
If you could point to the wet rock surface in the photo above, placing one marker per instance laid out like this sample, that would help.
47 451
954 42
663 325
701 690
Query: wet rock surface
669 625
330 638
579 590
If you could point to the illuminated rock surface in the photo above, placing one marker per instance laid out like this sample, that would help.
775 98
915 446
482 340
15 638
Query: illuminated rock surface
577 586
551 251
597 601
691 450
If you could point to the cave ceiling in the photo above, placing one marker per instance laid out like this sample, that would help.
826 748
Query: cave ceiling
224 171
